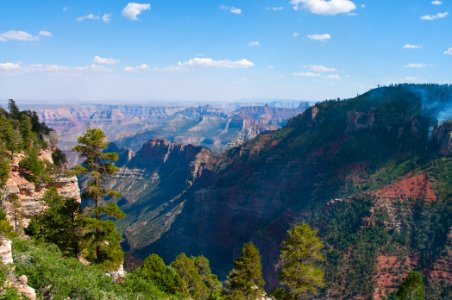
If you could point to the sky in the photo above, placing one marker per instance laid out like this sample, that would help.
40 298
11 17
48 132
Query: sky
106 51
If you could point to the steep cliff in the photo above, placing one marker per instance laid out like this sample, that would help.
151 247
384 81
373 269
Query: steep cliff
151 183
371 173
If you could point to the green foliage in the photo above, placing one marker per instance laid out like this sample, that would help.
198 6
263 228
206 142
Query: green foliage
59 158
58 224
4 171
299 259
100 237
412 288
245 280
196 273
33 169
5 228
165 278
56 277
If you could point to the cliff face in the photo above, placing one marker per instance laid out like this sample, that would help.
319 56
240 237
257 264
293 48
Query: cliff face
28 203
367 172
151 183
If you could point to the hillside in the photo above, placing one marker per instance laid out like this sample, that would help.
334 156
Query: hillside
372 173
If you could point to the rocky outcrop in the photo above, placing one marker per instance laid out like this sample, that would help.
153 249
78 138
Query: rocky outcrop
22 199
20 283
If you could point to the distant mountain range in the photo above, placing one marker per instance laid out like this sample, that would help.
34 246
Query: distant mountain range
219 126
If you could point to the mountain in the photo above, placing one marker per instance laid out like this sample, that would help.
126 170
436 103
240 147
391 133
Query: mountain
371 173
216 126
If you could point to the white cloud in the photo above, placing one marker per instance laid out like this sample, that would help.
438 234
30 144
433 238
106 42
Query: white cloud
231 9
89 16
324 7
275 8
436 2
334 76
142 67
254 44
106 18
416 66
320 37
23 36
412 46
104 61
209 62
435 17
296 34
306 74
92 17
8 66
45 33
320 68
132 10
448 51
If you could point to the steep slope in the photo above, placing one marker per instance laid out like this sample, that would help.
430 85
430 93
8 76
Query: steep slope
348 153
151 182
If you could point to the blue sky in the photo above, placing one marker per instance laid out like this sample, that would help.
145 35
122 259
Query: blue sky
208 50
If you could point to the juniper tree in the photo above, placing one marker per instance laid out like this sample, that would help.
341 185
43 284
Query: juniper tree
100 242
245 281
299 259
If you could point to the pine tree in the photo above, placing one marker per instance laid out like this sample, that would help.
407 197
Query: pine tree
188 271
210 279
300 254
164 277
58 224
412 288
245 281
101 239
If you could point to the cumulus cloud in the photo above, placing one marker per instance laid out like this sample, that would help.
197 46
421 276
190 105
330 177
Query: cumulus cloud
142 67
448 51
212 63
324 7
412 46
434 17
320 68
104 61
132 10
254 44
23 36
231 9
306 74
416 66
437 2
320 37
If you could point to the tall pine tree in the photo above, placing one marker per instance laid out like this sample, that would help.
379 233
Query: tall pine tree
245 281
300 255
100 237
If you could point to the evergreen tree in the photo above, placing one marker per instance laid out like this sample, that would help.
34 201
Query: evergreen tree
245 281
58 224
300 254
187 270
210 279
164 277
412 288
100 239
13 109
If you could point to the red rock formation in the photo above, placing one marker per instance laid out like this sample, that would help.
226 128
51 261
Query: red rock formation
410 187
390 271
